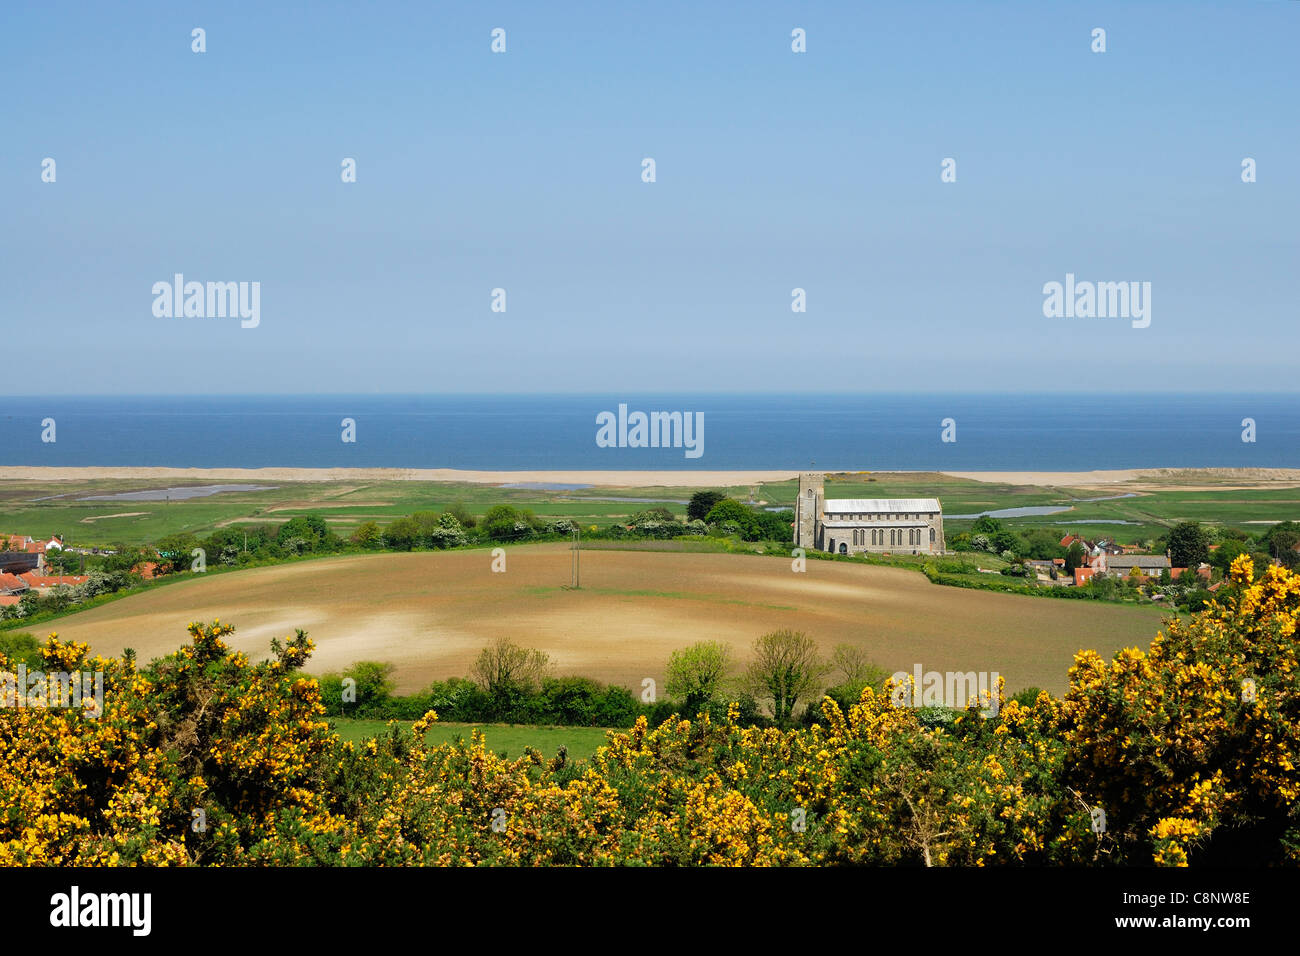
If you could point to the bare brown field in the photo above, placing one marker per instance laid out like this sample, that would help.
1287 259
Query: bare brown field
430 613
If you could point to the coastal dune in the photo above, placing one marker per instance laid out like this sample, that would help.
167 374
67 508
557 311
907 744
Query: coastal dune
1138 479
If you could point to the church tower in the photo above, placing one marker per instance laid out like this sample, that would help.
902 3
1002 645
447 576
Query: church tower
808 509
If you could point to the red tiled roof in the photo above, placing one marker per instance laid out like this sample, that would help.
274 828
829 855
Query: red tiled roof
9 599
50 580
25 542
12 582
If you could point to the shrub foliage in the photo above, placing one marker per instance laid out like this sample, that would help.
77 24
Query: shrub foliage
1187 751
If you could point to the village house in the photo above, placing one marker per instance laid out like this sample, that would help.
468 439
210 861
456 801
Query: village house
1092 549
1203 571
1148 565
1044 567
29 545
19 562
23 570
47 582
13 585
20 552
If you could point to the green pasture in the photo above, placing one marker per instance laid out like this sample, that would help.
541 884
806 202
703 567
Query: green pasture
348 504
508 740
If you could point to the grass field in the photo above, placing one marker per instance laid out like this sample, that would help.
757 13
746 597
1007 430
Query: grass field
431 613
344 505
347 504
508 740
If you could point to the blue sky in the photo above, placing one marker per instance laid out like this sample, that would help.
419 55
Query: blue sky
775 170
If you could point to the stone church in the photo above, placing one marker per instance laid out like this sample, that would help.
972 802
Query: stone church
857 525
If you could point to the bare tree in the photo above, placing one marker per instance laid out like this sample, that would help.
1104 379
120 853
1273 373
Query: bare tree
855 668
504 664
786 669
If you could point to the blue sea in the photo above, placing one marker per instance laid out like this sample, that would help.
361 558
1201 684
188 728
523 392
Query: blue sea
863 432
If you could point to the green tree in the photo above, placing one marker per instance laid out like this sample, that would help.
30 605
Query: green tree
1222 557
504 523
402 534
770 526
371 688
1188 545
1006 540
226 545
368 536
62 562
1074 557
696 675
310 530
1040 544
700 504
126 557
175 552
448 533
1281 541
728 509
462 514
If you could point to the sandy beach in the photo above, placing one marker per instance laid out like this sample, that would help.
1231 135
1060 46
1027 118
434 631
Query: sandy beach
1146 479
1167 479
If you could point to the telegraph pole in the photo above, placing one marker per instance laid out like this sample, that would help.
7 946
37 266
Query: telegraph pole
577 550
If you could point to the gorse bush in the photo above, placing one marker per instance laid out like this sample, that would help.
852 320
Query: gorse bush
1187 751
20 649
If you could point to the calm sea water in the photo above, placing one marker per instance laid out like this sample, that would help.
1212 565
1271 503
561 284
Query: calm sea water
836 432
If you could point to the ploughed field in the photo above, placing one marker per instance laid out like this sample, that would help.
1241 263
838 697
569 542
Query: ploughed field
430 613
